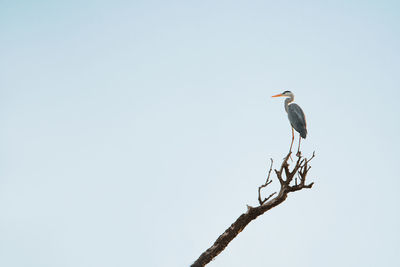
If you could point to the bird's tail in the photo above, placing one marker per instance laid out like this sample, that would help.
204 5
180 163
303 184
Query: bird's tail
303 133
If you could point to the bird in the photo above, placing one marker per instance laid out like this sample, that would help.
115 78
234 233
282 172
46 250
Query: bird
296 117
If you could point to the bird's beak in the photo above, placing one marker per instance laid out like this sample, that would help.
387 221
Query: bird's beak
277 95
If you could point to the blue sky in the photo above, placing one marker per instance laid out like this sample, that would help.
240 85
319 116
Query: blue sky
135 132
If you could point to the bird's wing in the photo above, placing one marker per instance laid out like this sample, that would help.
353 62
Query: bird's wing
297 119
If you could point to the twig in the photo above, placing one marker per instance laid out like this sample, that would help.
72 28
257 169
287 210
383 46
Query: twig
267 182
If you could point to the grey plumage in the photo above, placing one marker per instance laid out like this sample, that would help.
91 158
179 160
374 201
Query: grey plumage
295 114
297 119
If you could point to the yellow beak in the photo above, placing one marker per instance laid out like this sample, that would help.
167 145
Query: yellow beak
277 95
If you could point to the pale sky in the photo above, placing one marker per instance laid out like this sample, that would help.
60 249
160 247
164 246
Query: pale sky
135 132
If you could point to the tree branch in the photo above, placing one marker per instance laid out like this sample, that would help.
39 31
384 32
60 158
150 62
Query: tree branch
267 182
285 177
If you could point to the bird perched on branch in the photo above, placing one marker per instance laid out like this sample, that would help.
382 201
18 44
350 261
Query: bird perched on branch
296 117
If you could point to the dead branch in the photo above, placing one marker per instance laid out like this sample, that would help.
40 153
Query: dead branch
285 177
267 182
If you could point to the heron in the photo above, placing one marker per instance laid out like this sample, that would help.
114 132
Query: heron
296 117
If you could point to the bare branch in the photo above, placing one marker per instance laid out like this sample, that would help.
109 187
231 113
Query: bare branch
267 198
300 169
267 182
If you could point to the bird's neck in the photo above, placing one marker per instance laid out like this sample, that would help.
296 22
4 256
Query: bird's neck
288 101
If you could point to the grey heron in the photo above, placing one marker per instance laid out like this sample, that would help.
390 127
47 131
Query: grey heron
296 117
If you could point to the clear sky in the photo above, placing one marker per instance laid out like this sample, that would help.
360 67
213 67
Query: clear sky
133 133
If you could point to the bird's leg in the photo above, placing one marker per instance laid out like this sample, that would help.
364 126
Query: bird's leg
290 150
291 144
298 150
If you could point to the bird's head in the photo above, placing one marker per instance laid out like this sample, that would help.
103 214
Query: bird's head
285 93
